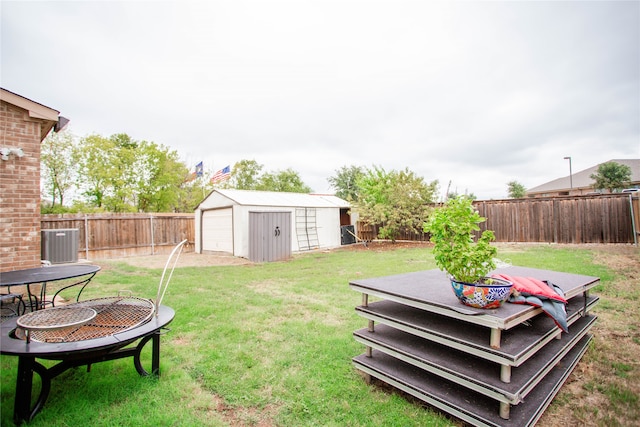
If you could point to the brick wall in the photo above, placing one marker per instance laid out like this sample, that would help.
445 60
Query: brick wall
19 190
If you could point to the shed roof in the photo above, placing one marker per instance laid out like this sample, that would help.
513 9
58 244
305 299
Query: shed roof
582 179
276 198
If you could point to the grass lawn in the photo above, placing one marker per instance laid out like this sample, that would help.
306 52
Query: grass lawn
271 345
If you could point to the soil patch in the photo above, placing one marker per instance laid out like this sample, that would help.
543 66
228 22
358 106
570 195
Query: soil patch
208 259
187 259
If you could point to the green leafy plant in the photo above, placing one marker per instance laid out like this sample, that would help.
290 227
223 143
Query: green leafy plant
452 230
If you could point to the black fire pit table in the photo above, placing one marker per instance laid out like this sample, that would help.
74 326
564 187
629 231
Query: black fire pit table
43 275
91 340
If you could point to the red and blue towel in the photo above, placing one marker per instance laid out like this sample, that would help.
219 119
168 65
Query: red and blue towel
539 293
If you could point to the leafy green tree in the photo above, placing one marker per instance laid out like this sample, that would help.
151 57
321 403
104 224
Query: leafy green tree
160 177
190 195
345 182
119 174
93 159
248 175
516 190
611 176
125 175
287 180
245 175
398 201
58 168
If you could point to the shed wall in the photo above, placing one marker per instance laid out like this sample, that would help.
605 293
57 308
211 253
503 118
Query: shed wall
328 227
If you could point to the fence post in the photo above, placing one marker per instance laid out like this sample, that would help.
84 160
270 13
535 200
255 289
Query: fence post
86 236
556 220
633 221
152 239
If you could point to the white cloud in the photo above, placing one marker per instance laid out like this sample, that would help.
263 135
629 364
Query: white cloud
479 93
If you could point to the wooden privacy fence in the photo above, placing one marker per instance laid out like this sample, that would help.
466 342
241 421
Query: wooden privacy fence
579 219
104 236
605 218
610 218
369 232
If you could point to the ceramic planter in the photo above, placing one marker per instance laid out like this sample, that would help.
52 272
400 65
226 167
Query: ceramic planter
489 294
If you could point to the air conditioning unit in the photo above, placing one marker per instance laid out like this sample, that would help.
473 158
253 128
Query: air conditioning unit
347 234
60 246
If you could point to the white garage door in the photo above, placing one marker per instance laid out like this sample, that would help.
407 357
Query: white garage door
217 230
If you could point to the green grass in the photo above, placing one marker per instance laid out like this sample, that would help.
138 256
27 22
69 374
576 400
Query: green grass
269 343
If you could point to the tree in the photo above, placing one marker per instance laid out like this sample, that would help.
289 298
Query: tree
58 170
93 159
119 174
287 180
160 178
191 194
612 176
125 175
107 166
245 175
345 182
516 190
397 201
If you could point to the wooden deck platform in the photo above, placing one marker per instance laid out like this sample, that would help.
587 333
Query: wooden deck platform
517 345
462 403
420 339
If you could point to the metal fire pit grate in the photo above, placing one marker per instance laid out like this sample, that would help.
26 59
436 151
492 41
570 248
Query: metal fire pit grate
63 317
113 315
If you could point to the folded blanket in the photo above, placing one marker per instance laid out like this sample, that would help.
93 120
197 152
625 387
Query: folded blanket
539 293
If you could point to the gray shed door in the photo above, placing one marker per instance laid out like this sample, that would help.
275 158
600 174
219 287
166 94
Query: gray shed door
269 236
217 230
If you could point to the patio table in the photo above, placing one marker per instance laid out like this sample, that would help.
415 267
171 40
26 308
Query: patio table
43 275
76 353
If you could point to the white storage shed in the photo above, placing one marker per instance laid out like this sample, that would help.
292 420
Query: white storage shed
247 223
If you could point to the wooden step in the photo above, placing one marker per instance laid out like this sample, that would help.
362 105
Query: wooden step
470 371
463 403
518 343
430 290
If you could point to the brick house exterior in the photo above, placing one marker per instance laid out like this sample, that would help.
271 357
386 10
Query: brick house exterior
23 126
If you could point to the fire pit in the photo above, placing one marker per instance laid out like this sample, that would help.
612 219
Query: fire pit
85 320
76 352
84 333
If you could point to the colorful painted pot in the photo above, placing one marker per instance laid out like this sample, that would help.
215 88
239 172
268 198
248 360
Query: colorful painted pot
482 295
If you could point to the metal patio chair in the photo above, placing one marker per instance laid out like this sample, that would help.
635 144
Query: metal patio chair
169 266
11 304
98 317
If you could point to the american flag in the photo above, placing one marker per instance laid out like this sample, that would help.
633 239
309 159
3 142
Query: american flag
221 175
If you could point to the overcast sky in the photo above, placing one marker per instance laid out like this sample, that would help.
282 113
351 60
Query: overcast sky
478 93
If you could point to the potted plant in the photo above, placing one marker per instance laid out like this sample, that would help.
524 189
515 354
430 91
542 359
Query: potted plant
465 259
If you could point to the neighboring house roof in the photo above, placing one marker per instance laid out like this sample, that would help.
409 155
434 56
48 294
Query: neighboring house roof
276 198
583 178
36 111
